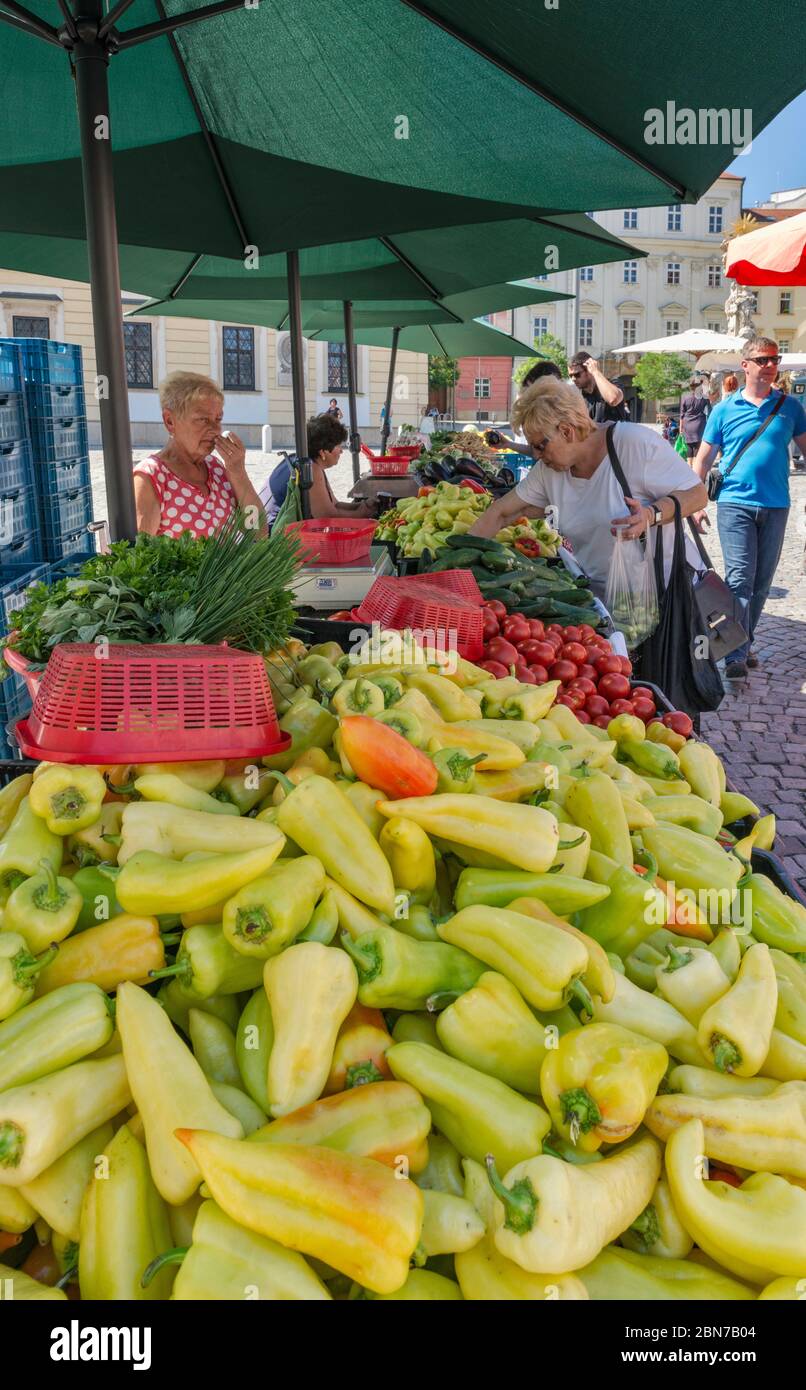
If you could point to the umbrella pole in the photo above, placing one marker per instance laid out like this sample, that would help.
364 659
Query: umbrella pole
92 96
298 378
387 424
355 437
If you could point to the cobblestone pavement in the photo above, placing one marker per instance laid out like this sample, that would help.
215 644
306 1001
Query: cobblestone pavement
760 729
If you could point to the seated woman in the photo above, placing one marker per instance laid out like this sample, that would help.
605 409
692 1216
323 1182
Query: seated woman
199 478
573 474
326 439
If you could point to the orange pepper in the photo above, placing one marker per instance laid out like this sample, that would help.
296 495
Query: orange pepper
360 1052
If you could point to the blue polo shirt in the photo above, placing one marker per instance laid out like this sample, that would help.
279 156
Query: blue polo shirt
761 477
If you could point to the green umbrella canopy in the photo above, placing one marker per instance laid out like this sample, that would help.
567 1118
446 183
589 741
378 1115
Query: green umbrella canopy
544 107
418 266
440 339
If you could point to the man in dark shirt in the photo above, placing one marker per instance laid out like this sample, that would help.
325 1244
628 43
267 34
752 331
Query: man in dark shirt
693 415
604 399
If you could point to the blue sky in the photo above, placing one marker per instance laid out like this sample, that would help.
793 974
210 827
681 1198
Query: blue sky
778 156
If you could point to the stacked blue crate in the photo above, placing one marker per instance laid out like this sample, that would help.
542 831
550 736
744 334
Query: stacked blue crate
20 539
15 700
54 396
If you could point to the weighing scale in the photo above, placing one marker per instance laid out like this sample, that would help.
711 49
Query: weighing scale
341 586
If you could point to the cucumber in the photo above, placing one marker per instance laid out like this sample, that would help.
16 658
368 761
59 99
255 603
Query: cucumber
477 542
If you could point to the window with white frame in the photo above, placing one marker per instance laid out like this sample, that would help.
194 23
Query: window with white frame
586 333
714 276
586 273
714 326
716 215
540 327
630 219
674 217
784 342
673 272
630 272
672 327
629 332
481 388
785 302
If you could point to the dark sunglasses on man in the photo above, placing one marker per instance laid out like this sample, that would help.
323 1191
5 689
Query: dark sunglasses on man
765 361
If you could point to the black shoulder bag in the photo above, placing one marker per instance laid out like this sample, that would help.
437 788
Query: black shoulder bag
715 477
718 610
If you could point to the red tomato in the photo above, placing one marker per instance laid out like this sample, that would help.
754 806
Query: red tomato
596 705
539 672
643 708
583 683
601 721
574 651
642 692
542 652
564 671
608 664
589 672
576 698
499 649
583 716
554 640
516 628
591 650
495 669
573 634
622 707
496 606
536 629
626 665
679 722
524 674
586 632
489 625
343 616
558 628
612 685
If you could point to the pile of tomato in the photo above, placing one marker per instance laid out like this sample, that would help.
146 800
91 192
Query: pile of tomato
595 681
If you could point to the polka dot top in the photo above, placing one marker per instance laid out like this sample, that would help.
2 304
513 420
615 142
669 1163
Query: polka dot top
183 506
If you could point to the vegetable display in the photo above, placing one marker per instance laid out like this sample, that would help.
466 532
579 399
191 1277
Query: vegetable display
464 997
420 526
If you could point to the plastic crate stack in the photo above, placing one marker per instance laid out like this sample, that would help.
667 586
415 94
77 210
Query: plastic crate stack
15 580
61 496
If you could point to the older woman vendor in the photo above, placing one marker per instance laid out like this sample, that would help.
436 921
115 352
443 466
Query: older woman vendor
198 479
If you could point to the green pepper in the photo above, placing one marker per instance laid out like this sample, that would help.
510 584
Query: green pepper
499 887
778 921
443 1172
67 798
477 1113
213 1043
26 843
207 964
324 921
253 1044
456 769
417 1027
320 673
43 909
654 758
633 911
418 923
53 1032
99 900
358 696
397 972
19 970
267 914
544 752
177 1003
245 789
309 725
692 861
391 687
405 724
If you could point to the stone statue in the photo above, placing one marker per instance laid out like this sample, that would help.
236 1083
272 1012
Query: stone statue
738 306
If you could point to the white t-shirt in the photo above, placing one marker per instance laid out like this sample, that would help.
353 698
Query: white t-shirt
586 506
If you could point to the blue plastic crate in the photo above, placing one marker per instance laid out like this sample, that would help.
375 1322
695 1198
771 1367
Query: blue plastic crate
15 581
49 362
78 544
55 402
16 470
19 512
60 475
25 549
54 438
65 512
13 417
11 377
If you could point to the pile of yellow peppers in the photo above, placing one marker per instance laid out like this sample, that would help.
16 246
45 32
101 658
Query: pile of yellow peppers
512 1019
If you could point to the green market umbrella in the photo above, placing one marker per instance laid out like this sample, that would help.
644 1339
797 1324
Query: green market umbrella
251 125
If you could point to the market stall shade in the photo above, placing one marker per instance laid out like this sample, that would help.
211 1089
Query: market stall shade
774 255
694 340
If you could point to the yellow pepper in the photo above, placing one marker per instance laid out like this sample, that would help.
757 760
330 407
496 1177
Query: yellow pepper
124 948
58 1193
365 801
385 1121
735 806
735 1031
521 835
658 1231
450 1224
514 785
267 914
762 836
541 961
598 1082
11 796
752 1131
124 1225
450 702
41 1120
699 766
98 843
593 802
203 776
175 831
490 1027
311 988
623 1274
165 787
155 883
68 798
518 731
756 1231
411 857
305 1198
691 980
700 1081
598 977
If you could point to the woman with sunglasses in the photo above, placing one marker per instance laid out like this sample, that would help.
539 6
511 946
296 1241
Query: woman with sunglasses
573 475
753 428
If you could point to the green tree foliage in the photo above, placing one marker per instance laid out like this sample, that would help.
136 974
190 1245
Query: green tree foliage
443 371
550 347
660 375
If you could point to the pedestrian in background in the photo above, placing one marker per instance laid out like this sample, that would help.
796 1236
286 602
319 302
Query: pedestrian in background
693 412
604 399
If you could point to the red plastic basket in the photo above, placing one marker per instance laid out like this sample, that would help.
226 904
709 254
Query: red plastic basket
389 466
403 603
334 540
404 451
127 703
460 582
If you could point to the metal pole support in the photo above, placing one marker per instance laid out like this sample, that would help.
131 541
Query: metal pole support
298 378
355 437
387 411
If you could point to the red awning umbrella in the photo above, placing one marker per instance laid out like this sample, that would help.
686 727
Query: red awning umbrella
774 255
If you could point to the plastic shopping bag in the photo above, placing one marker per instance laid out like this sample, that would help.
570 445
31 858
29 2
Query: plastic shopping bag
631 596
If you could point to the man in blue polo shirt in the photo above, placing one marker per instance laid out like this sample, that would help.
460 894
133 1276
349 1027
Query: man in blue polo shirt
753 502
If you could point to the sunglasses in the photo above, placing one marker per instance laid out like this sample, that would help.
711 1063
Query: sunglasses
765 361
574 375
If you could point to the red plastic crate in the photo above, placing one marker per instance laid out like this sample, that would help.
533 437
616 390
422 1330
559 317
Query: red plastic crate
460 582
334 540
427 608
405 451
389 466
127 703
